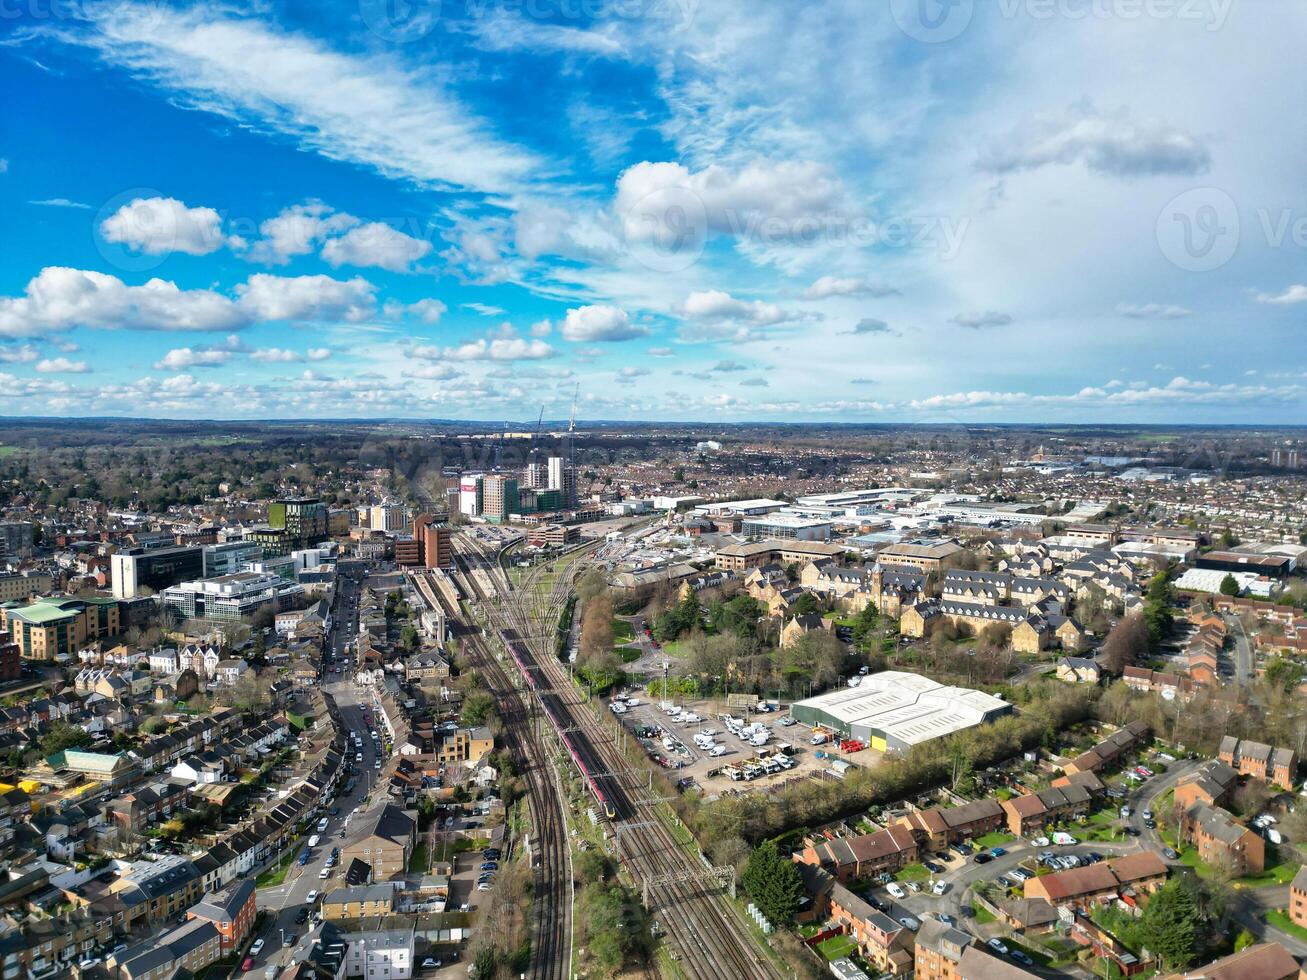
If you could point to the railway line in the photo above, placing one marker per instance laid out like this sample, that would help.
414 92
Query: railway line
551 855
710 940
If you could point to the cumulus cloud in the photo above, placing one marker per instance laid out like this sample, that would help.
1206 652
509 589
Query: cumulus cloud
433 372
25 354
159 225
1113 145
1294 294
714 304
500 349
828 286
375 244
633 372
754 383
592 324
61 365
662 202
270 297
660 352
184 358
297 230
980 321
1152 311
870 325
726 367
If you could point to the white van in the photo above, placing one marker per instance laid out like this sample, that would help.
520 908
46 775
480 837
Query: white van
322 825
717 750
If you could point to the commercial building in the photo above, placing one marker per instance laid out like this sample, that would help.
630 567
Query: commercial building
56 628
742 557
304 519
894 710
23 585
228 557
471 494
17 539
786 526
230 598
387 517
562 477
1273 566
928 556
153 568
437 542
499 498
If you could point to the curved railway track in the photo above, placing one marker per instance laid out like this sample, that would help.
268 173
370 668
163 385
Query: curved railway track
710 938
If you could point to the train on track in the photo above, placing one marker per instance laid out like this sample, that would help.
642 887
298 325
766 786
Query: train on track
606 805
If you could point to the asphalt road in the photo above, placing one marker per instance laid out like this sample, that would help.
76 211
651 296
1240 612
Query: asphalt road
287 899
1243 651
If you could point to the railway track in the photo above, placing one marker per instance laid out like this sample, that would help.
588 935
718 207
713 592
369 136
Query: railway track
710 939
551 939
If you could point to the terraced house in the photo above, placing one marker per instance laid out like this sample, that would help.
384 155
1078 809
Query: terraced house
1259 760
847 858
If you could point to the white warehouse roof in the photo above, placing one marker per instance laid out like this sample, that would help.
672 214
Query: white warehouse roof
907 708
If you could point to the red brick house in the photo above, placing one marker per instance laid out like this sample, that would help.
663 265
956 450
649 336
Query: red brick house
231 911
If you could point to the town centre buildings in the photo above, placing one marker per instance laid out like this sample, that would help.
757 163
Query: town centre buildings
897 710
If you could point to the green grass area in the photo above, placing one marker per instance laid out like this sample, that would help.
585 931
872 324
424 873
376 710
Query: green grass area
913 872
10 450
623 631
417 864
628 655
1277 874
983 916
275 875
837 947
1279 920
809 929
995 838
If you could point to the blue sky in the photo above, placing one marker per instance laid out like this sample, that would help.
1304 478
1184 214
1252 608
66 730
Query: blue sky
1081 210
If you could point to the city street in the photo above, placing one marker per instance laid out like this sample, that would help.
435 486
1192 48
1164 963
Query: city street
286 900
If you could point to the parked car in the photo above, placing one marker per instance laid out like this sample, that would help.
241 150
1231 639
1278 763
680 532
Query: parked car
940 887
998 946
1170 854
908 922
933 867
1022 958
896 890
984 857
997 852
257 948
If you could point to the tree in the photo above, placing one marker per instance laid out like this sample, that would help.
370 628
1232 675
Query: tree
1230 585
1125 644
478 706
774 884
63 736
1282 674
1170 923
596 628
807 605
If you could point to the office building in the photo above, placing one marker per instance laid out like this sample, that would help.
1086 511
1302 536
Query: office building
437 543
304 519
386 517
154 569
17 538
471 494
230 598
23 585
500 498
537 477
56 628
229 557
562 477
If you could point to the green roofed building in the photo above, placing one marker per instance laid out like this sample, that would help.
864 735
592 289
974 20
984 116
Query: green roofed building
56 628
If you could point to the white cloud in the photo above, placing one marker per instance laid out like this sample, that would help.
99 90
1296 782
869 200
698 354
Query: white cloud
484 309
661 352
500 349
590 324
61 202
270 297
297 230
1152 311
375 244
60 298
433 372
1114 145
183 358
276 355
317 354
764 199
870 325
633 372
370 110
160 225
714 304
828 286
1294 294
61 365
25 354
980 321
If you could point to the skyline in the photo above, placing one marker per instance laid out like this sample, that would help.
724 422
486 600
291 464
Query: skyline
804 216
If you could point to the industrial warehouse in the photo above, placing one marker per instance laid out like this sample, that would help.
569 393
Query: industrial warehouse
895 710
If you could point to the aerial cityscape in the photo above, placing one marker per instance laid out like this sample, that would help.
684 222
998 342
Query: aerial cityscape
652 489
